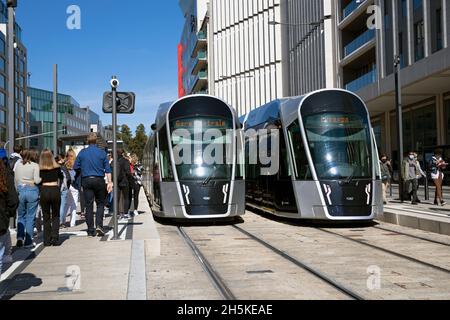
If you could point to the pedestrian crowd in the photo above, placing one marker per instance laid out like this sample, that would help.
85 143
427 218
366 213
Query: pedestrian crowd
44 191
412 173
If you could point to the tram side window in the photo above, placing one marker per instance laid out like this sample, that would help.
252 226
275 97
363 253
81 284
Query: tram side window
164 152
251 169
301 165
240 160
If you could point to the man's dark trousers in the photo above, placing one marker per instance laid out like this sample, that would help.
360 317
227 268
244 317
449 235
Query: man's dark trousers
94 188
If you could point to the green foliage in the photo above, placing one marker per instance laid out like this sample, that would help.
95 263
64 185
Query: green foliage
134 144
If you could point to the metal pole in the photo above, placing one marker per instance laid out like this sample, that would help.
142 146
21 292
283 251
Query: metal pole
11 91
115 166
398 102
55 109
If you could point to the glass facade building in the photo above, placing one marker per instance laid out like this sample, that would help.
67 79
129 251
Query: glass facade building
21 124
192 50
72 120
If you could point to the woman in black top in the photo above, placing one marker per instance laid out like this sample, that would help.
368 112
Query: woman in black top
50 197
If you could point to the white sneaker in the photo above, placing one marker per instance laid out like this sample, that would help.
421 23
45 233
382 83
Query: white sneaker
136 213
31 246
8 259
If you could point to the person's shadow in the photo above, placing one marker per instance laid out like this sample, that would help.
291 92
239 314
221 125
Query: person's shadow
20 283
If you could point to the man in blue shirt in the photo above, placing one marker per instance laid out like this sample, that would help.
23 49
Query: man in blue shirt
92 163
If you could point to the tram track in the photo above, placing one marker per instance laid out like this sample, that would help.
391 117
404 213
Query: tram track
394 253
302 265
412 236
215 278
226 292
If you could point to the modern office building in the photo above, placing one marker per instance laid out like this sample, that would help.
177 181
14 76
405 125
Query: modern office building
21 124
418 31
193 48
264 50
72 120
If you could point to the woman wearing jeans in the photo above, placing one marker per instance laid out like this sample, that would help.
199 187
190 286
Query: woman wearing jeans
50 197
27 177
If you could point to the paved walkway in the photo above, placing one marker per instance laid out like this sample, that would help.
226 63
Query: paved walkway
85 268
426 216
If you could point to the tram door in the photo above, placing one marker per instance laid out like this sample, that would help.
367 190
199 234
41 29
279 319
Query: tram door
156 185
283 190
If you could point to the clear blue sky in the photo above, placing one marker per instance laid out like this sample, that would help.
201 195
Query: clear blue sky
135 40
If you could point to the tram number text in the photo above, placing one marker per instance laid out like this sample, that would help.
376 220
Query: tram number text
252 310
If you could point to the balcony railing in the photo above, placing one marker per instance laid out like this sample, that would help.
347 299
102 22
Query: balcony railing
352 6
363 81
359 42
199 62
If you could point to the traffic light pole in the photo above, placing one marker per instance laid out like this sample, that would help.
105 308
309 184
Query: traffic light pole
115 164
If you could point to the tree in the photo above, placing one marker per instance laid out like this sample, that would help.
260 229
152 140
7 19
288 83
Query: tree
125 135
139 141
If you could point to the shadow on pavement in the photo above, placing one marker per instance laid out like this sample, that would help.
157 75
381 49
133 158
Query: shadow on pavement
315 223
202 223
18 284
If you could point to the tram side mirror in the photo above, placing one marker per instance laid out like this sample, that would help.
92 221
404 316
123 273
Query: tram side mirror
153 127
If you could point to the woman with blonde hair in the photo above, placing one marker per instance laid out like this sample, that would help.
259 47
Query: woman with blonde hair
27 178
73 196
51 176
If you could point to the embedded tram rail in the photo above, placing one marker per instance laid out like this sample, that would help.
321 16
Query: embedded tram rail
391 252
224 289
215 278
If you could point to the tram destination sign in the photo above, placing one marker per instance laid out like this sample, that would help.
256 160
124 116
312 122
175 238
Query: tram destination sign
125 102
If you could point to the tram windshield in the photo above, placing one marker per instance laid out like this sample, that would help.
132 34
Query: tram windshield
202 148
340 145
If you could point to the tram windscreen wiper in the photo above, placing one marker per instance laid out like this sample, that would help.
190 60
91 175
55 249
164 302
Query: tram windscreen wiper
207 180
350 178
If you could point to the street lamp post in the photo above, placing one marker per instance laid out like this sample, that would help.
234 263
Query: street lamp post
398 103
11 4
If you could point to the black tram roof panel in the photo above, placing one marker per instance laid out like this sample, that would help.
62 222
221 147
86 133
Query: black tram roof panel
287 109
165 108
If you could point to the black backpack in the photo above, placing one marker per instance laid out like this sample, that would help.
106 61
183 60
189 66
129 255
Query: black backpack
12 162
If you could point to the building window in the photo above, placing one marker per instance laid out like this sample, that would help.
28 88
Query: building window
2 46
2 100
419 40
2 82
2 116
439 44
417 4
